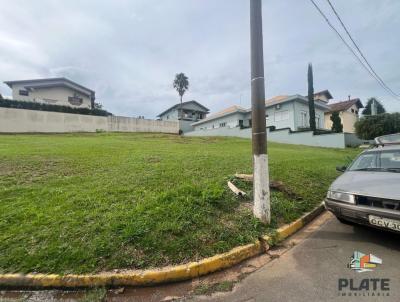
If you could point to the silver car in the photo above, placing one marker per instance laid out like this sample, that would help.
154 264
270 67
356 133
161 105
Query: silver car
368 192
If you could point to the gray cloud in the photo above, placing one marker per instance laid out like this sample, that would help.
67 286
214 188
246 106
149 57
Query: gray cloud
129 51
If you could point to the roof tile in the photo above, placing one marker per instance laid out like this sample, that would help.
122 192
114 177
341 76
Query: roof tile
344 105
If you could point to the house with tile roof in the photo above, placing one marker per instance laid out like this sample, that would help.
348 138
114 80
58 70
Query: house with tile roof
348 113
283 111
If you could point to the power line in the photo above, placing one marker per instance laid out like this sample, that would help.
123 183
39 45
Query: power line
359 50
351 49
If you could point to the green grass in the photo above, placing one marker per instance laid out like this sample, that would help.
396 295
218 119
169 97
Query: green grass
78 203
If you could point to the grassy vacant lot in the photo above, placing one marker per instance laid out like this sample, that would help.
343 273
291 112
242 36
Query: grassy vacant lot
92 202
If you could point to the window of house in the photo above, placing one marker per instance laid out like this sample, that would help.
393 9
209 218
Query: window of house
167 117
352 110
75 100
250 123
24 92
222 124
317 121
356 111
240 123
281 115
200 116
303 118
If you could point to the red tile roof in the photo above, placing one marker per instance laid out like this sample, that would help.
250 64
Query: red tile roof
276 100
344 105
224 112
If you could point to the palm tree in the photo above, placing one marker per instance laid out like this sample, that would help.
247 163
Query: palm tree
181 84
311 103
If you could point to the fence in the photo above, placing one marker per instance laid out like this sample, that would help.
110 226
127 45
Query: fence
27 121
331 140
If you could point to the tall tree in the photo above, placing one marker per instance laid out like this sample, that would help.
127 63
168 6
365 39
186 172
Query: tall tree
181 84
367 110
311 103
336 122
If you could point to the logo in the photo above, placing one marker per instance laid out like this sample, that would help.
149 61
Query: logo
368 287
363 263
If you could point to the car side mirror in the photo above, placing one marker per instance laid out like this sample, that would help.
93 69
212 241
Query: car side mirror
341 168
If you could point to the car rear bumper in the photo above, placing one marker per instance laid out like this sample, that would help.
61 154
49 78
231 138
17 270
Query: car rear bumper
358 214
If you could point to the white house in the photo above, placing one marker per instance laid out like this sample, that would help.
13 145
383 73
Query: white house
283 111
55 91
192 111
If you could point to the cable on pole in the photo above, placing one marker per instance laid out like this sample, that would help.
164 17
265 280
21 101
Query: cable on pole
371 72
359 50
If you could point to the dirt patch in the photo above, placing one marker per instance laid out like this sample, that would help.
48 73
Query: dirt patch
244 180
281 187
245 207
27 172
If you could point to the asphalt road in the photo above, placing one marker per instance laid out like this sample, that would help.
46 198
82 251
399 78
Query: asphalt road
310 271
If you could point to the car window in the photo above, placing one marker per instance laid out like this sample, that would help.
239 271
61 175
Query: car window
365 161
390 159
377 160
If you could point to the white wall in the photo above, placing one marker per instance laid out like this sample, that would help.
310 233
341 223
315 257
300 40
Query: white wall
230 120
287 110
304 107
170 115
24 121
331 140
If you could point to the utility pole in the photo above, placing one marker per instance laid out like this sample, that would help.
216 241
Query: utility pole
261 207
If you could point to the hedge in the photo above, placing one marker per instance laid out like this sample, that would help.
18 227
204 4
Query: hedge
369 127
54 108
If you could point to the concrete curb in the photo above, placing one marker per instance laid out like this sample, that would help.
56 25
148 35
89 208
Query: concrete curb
157 276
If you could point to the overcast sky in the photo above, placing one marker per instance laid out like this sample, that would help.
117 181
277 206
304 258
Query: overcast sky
129 51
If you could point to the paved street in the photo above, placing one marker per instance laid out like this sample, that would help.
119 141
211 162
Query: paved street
310 271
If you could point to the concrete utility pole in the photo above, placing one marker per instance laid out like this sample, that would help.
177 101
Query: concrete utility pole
261 208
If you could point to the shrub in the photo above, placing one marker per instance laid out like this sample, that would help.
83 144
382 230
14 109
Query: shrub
369 127
336 122
54 108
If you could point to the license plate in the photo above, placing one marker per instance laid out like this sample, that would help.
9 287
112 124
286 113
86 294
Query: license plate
385 222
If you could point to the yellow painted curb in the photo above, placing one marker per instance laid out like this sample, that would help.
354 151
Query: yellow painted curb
157 276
